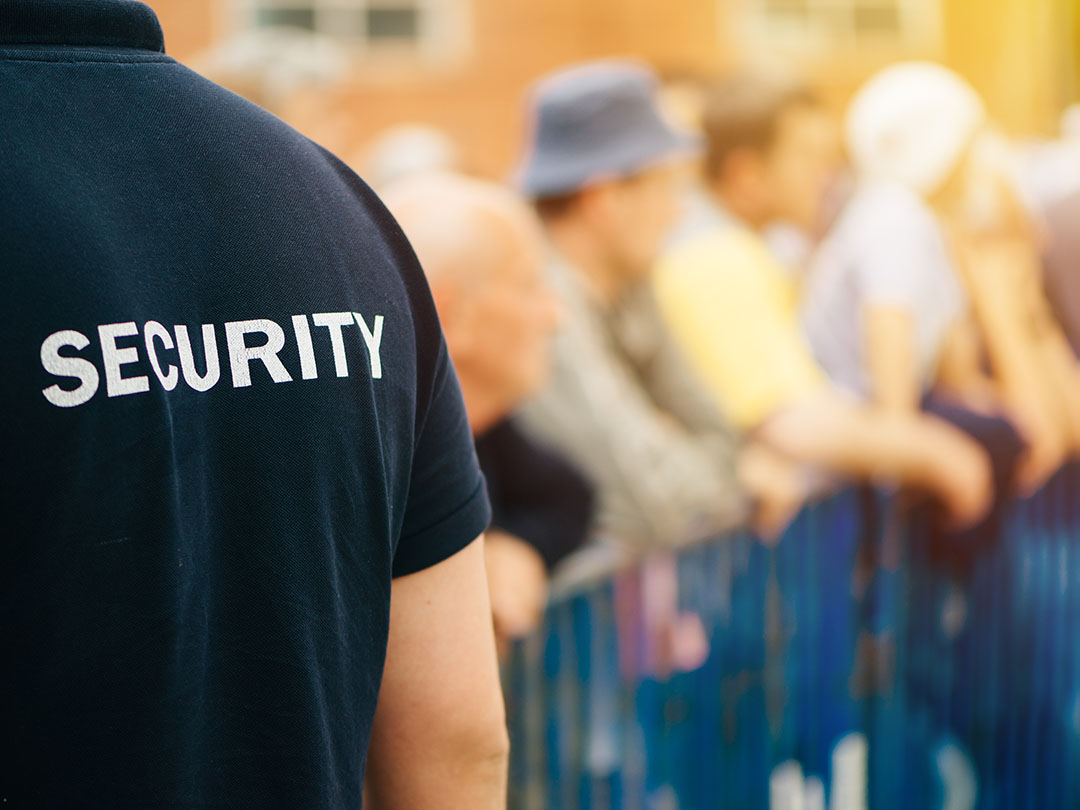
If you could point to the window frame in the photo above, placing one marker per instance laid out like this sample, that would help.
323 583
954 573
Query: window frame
919 27
442 28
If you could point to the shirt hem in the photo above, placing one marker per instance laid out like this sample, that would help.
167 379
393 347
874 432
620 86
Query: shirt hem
446 538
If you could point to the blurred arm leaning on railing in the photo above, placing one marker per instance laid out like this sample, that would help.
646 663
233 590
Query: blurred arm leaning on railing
918 450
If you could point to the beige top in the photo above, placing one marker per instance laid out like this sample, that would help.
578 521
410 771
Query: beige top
624 405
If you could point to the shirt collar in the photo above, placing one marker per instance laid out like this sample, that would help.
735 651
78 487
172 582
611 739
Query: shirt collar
573 286
703 213
85 23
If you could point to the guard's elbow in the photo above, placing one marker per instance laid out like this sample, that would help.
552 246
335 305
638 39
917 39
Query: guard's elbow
485 747
498 754
478 764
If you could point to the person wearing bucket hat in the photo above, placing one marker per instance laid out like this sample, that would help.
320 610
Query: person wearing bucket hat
595 122
602 167
601 153
734 311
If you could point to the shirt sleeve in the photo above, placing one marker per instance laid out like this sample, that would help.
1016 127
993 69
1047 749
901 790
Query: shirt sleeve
895 250
447 506
724 300
536 494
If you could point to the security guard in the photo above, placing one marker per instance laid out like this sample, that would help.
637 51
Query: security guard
229 422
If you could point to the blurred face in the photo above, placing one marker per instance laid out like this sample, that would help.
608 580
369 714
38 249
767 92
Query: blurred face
503 329
800 167
637 214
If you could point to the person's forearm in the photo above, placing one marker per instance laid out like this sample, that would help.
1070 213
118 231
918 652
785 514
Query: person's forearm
912 449
1014 321
1062 373
890 358
853 439
960 374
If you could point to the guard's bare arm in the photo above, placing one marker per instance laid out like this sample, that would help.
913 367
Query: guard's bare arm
439 738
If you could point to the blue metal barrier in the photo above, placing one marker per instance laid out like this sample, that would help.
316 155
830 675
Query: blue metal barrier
840 668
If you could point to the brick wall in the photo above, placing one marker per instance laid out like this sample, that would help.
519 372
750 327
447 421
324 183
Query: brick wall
1011 49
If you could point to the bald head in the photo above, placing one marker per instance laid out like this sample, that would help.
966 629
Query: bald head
463 230
481 250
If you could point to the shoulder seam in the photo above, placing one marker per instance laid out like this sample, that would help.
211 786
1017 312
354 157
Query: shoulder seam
88 59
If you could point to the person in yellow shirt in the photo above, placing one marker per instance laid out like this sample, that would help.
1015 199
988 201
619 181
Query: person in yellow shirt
729 275
771 154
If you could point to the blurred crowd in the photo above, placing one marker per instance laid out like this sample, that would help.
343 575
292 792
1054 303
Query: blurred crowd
700 303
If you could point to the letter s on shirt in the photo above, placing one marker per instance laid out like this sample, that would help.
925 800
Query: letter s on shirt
60 366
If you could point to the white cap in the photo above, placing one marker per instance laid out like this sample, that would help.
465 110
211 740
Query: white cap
910 123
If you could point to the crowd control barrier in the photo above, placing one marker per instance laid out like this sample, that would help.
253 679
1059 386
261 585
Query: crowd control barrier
842 668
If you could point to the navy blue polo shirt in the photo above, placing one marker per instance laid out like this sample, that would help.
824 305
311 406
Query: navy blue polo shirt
229 420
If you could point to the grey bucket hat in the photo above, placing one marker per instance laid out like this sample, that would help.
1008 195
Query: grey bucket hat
592 122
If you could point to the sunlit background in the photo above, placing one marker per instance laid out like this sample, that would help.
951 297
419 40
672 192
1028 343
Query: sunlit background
461 65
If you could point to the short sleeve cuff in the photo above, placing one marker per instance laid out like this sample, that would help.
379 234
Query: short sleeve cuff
446 538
